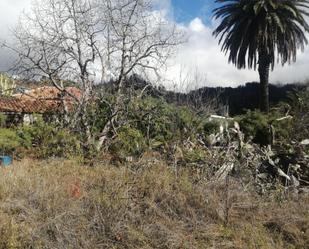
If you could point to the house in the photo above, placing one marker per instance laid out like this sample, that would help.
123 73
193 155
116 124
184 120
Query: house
46 100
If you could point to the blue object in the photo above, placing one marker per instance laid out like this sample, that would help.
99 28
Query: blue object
6 160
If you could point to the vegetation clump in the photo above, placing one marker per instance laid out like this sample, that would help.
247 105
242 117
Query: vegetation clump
44 140
9 140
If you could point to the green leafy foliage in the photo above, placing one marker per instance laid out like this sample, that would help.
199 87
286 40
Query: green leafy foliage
196 155
210 127
129 142
9 140
155 119
98 114
47 140
160 122
259 126
299 102
2 120
255 125
152 123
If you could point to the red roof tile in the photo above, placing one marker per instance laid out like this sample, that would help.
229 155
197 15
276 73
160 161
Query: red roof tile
49 92
39 100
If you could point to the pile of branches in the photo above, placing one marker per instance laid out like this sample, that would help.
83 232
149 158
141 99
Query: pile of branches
267 167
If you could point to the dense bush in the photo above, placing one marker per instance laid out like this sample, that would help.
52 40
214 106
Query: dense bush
9 140
288 121
98 114
2 120
261 127
47 140
129 142
160 122
211 127
153 124
300 111
255 126
155 119
149 123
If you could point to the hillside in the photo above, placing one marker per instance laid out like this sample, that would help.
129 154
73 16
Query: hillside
238 99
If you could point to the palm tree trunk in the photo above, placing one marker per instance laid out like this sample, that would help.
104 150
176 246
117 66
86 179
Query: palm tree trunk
264 66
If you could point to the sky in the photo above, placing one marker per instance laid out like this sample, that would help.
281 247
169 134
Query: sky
186 10
199 58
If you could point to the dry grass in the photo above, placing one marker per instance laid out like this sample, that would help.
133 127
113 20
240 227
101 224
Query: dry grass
61 204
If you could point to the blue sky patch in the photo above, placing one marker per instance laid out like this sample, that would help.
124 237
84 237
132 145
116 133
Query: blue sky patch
187 10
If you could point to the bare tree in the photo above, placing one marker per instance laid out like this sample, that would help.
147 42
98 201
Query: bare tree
92 41
139 40
57 40
193 84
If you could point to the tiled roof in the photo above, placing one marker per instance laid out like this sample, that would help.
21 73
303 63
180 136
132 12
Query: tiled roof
49 93
28 106
39 100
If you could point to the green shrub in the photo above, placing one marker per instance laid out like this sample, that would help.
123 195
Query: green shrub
196 155
160 122
129 142
98 115
188 121
255 125
47 140
2 120
9 140
60 143
153 118
211 127
299 102
33 135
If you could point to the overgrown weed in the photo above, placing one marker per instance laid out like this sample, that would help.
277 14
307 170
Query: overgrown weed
62 204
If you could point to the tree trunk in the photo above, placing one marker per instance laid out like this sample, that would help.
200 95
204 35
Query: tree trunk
109 125
264 66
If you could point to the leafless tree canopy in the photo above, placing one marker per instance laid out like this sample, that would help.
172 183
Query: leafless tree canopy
137 37
92 41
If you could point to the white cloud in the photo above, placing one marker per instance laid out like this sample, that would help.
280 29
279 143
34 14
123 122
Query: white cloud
202 54
196 25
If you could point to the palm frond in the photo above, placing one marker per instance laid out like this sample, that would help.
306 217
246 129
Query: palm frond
248 26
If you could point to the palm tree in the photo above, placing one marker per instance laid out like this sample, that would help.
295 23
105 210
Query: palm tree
262 32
